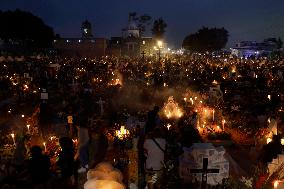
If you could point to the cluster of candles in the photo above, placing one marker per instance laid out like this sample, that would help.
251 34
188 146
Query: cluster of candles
122 133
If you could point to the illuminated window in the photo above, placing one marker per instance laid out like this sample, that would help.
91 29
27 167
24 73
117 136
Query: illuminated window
144 42
85 30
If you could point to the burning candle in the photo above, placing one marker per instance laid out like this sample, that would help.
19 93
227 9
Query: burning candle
218 128
44 144
223 124
13 137
213 114
276 183
191 101
28 126
269 97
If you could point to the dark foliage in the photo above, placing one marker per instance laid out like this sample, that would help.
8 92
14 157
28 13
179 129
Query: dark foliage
219 136
159 28
25 28
206 39
143 21
272 149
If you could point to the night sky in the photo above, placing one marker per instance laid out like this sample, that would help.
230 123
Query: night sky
244 19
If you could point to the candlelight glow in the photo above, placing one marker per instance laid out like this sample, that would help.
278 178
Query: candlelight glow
122 133
276 183
169 126
171 109
44 144
268 140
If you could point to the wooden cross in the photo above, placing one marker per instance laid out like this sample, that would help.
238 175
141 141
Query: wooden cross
204 172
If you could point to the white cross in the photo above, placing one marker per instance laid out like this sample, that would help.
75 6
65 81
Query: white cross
100 102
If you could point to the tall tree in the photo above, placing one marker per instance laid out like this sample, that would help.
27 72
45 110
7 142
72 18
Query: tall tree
206 39
159 28
279 43
142 20
24 26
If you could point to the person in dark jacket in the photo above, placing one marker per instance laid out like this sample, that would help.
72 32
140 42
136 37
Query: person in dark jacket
153 120
39 166
66 157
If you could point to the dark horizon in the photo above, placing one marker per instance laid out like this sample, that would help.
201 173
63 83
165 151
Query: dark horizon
253 20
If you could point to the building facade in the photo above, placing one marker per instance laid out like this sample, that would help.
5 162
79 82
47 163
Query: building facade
254 49
86 46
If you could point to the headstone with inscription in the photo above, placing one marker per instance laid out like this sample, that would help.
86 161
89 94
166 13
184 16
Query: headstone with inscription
193 158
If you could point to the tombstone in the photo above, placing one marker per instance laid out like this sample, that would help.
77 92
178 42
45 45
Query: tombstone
26 75
44 95
215 94
276 164
101 104
45 74
193 159
272 126
204 171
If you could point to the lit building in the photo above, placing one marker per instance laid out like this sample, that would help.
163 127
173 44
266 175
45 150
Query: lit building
254 49
131 43
86 46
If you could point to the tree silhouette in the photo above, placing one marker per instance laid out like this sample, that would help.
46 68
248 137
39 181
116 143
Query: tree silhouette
279 43
24 27
142 20
159 27
206 39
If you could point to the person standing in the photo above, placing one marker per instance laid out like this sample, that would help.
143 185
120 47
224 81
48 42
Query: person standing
97 147
153 120
66 157
83 147
39 167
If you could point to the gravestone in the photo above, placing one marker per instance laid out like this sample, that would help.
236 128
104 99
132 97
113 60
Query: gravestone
274 166
193 159
215 94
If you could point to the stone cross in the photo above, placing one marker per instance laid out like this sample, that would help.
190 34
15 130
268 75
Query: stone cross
204 172
101 104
